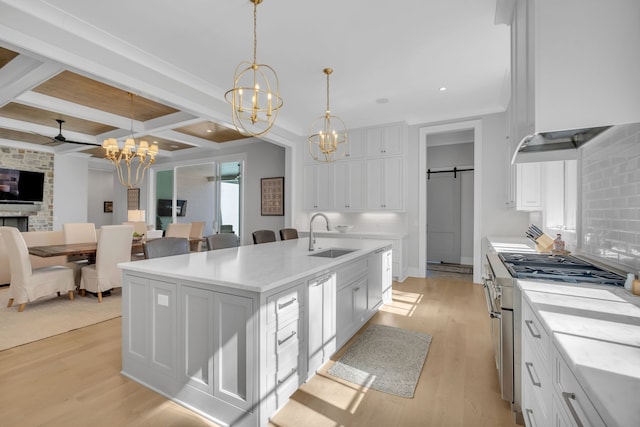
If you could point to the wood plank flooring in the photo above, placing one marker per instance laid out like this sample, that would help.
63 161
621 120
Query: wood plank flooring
74 379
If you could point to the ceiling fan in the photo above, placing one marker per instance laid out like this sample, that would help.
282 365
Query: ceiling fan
60 138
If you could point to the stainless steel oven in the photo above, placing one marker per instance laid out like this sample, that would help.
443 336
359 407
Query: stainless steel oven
499 288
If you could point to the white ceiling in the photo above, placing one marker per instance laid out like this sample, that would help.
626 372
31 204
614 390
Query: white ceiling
184 53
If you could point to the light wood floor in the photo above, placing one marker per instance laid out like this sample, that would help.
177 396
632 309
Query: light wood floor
74 379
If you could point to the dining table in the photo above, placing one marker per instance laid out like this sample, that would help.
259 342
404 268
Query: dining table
87 250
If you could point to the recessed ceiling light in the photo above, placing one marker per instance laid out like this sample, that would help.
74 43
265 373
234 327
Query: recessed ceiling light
442 89
209 131
175 146
382 100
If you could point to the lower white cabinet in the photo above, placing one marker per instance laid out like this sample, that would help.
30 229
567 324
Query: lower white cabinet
321 312
351 308
380 278
192 344
571 403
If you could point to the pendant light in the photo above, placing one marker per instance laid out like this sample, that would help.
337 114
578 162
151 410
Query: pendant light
255 97
327 134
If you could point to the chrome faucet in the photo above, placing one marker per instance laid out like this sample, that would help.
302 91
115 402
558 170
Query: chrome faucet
312 238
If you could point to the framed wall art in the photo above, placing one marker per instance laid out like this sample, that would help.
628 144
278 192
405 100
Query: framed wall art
272 196
108 206
133 199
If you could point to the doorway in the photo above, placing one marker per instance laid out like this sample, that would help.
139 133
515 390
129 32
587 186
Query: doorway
454 148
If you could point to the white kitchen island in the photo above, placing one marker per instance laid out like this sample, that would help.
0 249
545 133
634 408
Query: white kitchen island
232 333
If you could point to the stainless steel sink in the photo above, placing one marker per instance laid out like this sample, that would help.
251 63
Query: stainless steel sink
333 253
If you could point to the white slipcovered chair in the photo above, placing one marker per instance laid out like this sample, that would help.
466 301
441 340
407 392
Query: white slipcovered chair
82 232
178 230
114 247
28 284
197 232
139 227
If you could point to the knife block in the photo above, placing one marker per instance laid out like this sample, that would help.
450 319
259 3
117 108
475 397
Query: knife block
544 243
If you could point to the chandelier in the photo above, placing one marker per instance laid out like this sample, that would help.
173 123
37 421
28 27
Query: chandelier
254 99
130 174
328 134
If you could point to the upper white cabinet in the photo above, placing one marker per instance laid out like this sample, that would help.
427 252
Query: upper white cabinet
370 176
348 188
385 140
529 184
574 64
318 186
355 144
385 183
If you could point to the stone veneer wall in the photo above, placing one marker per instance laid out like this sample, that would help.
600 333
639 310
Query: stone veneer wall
16 158
611 196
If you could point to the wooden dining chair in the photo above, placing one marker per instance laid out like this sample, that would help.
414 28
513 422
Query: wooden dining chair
178 230
28 284
221 241
264 236
288 233
166 246
114 247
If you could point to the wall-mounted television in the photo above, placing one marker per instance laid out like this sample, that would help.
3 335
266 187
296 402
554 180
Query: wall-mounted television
164 207
21 186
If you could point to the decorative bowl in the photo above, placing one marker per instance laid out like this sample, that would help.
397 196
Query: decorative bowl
343 228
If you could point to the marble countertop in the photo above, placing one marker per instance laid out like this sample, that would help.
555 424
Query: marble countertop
512 244
354 234
257 268
596 328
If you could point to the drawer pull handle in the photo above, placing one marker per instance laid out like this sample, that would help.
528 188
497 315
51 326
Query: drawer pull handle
531 421
293 334
293 371
281 306
529 324
529 366
568 397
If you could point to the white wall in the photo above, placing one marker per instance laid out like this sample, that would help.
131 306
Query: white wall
70 189
101 185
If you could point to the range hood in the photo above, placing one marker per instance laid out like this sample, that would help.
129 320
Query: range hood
556 145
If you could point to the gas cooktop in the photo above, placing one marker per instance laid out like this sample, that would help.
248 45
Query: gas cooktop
564 268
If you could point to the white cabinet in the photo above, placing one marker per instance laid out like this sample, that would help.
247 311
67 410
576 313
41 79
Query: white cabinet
318 186
380 278
355 144
549 94
536 376
529 184
321 312
351 309
571 404
385 140
285 340
385 183
348 186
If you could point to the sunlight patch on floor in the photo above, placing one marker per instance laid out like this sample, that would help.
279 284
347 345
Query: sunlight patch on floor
403 303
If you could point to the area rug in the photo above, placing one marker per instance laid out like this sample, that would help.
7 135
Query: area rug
386 359
53 315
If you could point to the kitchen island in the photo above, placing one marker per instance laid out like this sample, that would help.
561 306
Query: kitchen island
232 333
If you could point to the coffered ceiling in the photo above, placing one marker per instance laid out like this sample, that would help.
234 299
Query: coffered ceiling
79 61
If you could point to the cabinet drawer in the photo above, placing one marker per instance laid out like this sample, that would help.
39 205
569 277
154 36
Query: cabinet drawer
287 336
536 381
532 411
347 274
284 306
286 385
572 399
532 329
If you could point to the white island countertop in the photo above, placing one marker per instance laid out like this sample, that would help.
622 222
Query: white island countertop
256 268
597 330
